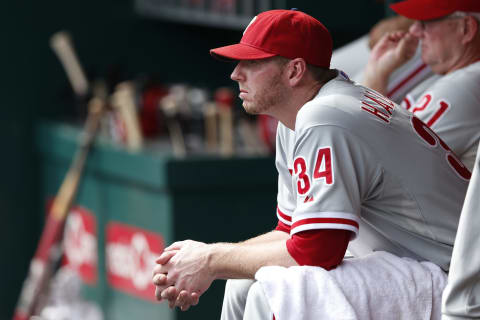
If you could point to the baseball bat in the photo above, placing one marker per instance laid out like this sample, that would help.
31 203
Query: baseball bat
61 43
210 119
49 251
169 106
123 100
224 99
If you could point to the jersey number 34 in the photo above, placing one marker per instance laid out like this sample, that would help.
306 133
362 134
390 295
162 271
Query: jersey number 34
323 170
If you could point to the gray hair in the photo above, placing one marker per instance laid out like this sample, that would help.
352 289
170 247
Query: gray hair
458 14
462 14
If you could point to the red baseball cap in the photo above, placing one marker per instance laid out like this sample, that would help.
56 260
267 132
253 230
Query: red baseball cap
287 33
433 9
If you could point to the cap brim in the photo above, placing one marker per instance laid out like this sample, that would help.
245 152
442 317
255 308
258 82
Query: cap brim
417 10
239 51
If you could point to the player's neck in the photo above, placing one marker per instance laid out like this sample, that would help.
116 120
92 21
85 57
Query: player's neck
471 55
287 113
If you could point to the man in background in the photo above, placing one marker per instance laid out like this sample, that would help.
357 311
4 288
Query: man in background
449 37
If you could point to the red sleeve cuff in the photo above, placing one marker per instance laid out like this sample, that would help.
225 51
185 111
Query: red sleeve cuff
321 247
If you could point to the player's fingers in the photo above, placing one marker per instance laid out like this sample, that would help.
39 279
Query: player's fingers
186 300
158 294
186 307
383 40
161 268
412 42
410 39
396 35
195 298
165 257
170 294
156 269
408 46
175 246
160 279
182 299
385 43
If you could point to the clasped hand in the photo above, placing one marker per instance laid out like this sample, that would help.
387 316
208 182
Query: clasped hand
182 274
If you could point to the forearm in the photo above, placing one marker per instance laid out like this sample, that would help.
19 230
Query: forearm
273 235
242 260
389 54
376 81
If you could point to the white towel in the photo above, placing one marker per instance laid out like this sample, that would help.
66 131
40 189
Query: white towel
378 286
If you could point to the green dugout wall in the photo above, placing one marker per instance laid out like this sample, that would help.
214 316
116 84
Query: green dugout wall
151 193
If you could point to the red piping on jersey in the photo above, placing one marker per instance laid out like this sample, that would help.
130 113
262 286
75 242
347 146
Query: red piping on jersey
325 220
410 76
283 215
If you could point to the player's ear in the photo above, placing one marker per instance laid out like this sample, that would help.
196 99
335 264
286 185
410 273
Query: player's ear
295 71
470 29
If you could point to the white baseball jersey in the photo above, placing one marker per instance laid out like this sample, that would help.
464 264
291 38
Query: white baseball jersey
451 107
416 93
358 161
460 297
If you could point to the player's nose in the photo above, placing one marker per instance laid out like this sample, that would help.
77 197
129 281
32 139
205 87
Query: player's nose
237 74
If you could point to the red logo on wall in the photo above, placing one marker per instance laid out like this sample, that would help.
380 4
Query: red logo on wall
80 243
130 257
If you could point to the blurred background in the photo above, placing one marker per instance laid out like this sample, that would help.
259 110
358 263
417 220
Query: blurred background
194 165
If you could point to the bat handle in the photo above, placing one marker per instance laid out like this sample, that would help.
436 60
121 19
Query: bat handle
61 44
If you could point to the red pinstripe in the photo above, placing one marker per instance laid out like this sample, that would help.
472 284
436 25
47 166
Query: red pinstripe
408 78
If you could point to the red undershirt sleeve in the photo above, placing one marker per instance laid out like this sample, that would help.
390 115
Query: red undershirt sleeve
283 227
321 247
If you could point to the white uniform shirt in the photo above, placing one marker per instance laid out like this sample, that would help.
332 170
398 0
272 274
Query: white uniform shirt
356 162
451 107
407 77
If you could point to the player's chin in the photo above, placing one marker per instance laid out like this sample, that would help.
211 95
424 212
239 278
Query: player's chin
249 108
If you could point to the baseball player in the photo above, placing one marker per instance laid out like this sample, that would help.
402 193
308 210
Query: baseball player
450 43
408 76
404 79
352 165
461 295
